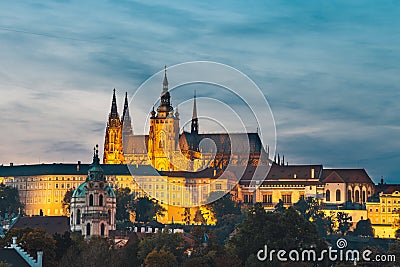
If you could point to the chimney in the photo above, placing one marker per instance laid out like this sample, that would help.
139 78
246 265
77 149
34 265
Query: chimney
14 241
39 261
312 173
78 167
11 164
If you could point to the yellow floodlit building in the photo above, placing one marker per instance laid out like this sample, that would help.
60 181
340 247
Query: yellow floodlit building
384 214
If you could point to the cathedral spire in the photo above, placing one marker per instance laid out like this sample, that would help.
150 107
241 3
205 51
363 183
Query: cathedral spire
165 82
195 120
114 111
165 107
126 119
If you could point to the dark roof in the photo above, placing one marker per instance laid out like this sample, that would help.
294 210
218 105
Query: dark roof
225 143
206 173
138 143
12 257
52 224
288 171
347 175
72 169
387 188
280 172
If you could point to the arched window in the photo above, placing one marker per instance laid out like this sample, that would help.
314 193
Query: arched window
363 196
349 198
91 200
78 217
357 196
101 200
102 229
72 218
338 195
109 216
88 229
328 195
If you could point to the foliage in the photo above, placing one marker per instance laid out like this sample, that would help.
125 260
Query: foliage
277 230
10 204
344 222
161 258
147 210
172 242
280 206
199 218
223 206
33 240
66 202
364 228
186 216
310 209
124 199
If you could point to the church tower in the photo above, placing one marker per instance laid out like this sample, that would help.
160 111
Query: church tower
113 150
164 131
93 203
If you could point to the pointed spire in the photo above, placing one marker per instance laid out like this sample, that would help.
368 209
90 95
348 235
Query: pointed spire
165 82
195 120
126 119
177 112
114 111
194 116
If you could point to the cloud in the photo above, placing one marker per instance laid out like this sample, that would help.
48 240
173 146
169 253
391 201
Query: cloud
328 69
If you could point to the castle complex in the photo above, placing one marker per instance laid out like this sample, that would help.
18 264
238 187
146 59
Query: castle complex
179 170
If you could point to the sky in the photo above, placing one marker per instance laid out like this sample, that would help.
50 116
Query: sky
328 69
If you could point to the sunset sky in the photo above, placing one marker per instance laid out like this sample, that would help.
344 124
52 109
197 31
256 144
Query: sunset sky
329 70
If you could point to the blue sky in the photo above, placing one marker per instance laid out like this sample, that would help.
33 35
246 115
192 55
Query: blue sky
329 69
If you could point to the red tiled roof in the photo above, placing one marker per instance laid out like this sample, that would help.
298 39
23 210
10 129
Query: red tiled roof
52 224
347 175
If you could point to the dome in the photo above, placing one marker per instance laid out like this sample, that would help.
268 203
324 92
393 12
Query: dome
95 174
81 191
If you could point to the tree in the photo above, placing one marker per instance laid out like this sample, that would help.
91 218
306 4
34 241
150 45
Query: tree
344 222
278 230
364 228
310 209
280 206
10 204
147 210
124 205
199 218
186 216
172 242
161 258
223 205
66 202
33 240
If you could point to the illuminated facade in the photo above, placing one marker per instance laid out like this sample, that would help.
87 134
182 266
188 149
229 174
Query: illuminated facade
384 214
113 150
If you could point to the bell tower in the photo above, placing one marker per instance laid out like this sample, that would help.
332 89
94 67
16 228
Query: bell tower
113 150
164 131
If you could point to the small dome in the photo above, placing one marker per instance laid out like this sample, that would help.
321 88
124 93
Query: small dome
81 191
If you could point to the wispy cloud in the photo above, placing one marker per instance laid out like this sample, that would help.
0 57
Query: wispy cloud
329 70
